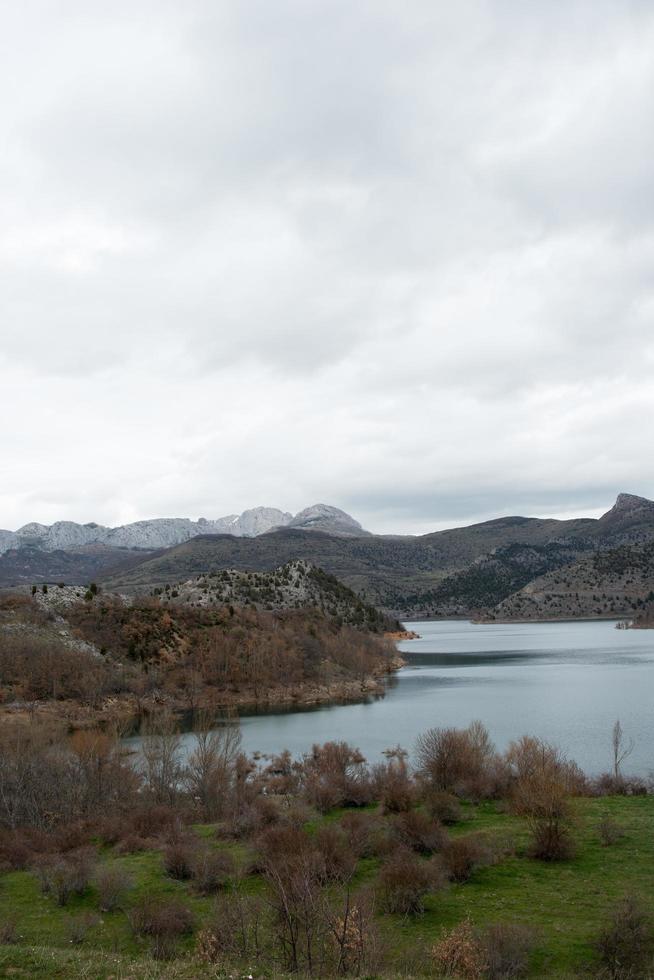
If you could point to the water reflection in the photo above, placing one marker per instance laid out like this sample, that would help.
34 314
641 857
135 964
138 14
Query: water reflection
566 682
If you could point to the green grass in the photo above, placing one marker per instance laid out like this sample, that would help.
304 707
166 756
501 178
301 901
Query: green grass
566 903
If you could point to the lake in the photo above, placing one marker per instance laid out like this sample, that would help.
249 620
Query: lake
566 682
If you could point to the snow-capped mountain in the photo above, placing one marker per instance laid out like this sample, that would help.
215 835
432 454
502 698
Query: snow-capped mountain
166 532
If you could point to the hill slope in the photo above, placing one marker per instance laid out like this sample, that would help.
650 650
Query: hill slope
617 582
297 585
450 572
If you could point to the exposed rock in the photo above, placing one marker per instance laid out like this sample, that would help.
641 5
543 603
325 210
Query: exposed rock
150 534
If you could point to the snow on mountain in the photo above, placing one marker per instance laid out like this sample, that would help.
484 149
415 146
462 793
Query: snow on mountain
168 531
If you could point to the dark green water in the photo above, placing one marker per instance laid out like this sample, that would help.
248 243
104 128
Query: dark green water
566 682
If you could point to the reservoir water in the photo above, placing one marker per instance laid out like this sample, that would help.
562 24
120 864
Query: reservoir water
566 682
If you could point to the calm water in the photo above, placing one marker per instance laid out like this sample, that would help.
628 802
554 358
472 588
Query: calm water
566 682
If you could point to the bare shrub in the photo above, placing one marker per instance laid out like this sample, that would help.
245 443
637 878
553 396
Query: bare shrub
507 948
78 927
459 953
356 938
552 840
212 870
8 930
542 782
210 767
404 880
443 806
154 820
179 859
607 784
626 943
294 870
113 885
610 832
235 928
338 858
65 875
163 921
253 817
162 769
133 844
463 855
17 851
335 774
460 761
393 785
416 831
367 834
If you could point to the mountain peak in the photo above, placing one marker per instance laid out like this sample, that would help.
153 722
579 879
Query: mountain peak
627 510
630 501
324 517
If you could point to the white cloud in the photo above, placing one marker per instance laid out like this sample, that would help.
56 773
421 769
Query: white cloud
392 256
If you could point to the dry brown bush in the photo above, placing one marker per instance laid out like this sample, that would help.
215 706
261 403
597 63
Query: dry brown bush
335 774
460 761
416 831
404 880
507 947
607 784
294 870
133 844
212 870
393 785
459 953
463 855
163 921
338 858
610 832
367 833
626 942
155 820
180 857
78 927
64 875
542 781
355 938
113 885
38 666
236 928
17 851
444 807
8 930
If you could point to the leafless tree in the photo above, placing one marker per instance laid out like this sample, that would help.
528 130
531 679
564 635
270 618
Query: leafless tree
621 749
162 768
210 766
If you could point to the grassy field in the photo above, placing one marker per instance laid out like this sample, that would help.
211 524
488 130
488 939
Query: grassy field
566 903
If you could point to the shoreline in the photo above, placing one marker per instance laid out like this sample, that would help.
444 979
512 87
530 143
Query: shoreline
124 712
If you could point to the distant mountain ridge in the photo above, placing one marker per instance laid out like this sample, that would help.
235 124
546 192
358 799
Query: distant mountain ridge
457 572
464 571
168 532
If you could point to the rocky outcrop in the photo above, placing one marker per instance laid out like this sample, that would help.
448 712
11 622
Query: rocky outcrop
149 535
296 585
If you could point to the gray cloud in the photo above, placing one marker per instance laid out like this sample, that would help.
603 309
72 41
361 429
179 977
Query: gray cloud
393 256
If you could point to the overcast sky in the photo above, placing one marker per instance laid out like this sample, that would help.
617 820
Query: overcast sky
394 255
